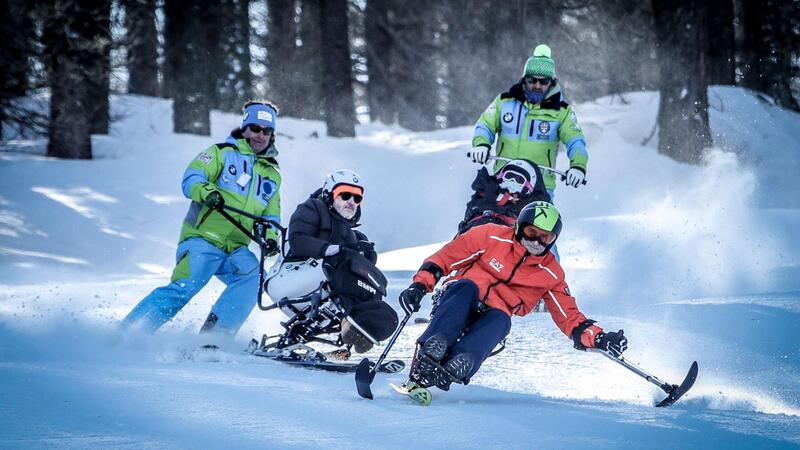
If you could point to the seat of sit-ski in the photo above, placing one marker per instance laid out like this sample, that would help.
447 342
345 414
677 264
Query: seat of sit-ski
293 282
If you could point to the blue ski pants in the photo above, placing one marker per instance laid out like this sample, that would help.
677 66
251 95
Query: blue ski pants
468 326
197 260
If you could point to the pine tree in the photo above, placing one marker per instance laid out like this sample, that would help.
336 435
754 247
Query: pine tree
380 86
68 41
142 47
96 15
281 57
16 33
189 67
337 96
683 130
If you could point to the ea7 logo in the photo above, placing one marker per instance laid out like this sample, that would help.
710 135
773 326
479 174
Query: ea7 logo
496 264
366 287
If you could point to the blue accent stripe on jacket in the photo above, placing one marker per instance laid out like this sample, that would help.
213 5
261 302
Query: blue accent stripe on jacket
576 144
190 178
482 130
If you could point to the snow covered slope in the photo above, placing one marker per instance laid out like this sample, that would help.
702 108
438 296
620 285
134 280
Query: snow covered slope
695 263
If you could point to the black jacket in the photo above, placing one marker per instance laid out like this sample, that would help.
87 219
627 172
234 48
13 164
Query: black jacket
315 225
484 206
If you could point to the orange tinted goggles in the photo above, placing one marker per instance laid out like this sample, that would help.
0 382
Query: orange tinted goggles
538 234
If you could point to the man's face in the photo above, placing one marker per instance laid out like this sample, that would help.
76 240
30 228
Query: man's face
259 137
346 204
538 84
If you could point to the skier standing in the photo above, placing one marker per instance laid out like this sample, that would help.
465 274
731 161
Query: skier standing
501 272
241 172
529 121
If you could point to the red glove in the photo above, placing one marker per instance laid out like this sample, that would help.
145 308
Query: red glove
584 335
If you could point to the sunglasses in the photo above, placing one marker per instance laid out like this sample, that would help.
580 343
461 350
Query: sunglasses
542 81
538 234
257 129
346 196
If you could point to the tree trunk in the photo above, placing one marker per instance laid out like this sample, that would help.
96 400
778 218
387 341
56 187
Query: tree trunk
627 31
189 72
469 91
769 50
416 62
338 93
310 85
234 80
380 87
98 68
282 57
16 34
67 43
211 45
753 46
721 45
244 78
142 45
683 109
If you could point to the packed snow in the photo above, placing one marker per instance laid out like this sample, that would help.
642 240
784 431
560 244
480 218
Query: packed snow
694 262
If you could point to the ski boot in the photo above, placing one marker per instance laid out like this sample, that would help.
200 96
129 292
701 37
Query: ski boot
427 369
458 367
426 359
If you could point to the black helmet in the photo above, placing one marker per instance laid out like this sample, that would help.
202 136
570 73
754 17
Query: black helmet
545 219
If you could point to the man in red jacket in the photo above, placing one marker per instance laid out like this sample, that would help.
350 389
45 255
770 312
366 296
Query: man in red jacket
500 271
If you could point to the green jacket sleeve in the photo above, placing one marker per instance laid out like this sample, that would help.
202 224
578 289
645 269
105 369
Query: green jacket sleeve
488 125
199 178
571 135
273 212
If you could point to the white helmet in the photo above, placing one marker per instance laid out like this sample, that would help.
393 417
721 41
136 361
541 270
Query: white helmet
518 166
337 177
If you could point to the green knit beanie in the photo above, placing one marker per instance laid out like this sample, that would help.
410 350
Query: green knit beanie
540 64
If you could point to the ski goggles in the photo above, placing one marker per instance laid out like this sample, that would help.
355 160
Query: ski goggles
533 232
258 129
542 81
515 177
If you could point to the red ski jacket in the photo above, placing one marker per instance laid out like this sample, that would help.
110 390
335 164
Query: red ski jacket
508 277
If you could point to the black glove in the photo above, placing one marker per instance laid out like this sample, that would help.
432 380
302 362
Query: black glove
613 342
361 246
411 298
271 247
366 248
214 200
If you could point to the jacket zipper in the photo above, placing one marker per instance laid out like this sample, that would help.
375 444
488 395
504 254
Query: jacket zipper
513 271
519 113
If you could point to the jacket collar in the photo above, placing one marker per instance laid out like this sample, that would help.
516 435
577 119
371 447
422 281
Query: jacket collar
243 146
519 251
552 100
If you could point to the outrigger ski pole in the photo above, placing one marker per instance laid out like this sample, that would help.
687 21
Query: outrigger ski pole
366 370
258 235
674 391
